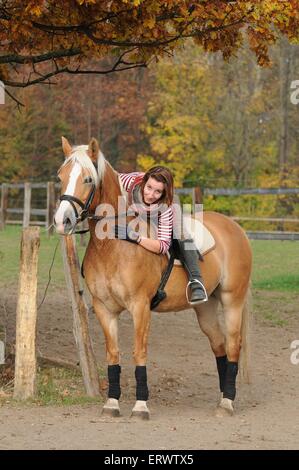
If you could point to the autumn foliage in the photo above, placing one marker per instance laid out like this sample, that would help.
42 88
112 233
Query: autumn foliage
67 35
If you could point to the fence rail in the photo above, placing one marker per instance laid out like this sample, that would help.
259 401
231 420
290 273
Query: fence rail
265 219
32 211
257 235
254 191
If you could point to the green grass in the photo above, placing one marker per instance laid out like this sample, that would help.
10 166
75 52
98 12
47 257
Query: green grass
275 263
59 386
10 239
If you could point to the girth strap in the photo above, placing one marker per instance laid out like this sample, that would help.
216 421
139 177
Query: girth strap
161 294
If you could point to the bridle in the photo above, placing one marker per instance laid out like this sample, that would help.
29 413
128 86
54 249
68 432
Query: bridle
85 206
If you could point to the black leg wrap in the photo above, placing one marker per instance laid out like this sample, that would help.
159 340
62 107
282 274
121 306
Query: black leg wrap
230 380
221 367
141 383
113 378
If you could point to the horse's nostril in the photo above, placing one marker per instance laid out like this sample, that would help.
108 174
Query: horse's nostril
67 221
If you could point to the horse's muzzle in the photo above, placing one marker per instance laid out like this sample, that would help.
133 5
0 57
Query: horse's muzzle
65 228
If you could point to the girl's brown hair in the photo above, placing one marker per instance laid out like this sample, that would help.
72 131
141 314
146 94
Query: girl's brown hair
162 175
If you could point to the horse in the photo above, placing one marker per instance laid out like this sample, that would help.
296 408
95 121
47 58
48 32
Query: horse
124 276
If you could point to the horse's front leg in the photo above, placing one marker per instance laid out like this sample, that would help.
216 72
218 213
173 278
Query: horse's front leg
141 317
109 323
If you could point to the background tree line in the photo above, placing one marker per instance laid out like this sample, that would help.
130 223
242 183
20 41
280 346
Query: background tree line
212 122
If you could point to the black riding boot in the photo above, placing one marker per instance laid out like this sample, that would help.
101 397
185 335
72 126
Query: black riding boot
189 259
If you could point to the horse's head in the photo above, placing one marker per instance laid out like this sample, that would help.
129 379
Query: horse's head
80 175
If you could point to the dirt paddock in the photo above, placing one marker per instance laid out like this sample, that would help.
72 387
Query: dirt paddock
183 387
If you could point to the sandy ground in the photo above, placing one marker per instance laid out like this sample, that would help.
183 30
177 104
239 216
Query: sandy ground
183 386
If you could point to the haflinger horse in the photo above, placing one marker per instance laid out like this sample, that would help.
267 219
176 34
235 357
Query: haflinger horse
124 276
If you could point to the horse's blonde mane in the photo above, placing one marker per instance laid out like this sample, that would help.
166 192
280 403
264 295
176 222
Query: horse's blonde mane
79 155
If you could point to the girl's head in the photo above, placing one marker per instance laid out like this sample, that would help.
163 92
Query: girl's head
157 186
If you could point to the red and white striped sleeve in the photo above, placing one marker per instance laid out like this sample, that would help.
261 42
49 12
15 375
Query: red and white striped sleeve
128 178
165 225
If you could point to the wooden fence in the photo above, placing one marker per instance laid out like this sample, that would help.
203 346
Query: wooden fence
197 198
196 194
27 211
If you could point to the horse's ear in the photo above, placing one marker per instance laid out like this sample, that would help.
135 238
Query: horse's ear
93 149
66 147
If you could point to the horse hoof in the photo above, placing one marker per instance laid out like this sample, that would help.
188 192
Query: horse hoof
111 412
140 410
225 408
143 415
111 408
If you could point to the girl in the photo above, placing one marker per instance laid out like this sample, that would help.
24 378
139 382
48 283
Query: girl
151 193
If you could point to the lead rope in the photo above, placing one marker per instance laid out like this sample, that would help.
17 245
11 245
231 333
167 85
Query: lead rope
93 217
49 279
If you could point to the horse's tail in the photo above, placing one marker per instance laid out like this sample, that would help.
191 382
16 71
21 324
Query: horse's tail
245 339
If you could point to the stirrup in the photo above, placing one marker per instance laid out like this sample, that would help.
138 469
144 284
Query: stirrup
197 301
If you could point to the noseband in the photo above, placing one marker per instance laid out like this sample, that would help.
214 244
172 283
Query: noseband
84 206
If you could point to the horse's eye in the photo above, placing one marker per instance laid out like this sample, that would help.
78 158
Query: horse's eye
88 179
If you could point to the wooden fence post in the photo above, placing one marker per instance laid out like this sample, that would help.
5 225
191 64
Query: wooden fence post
4 202
25 362
50 207
83 241
196 198
27 205
2 344
80 316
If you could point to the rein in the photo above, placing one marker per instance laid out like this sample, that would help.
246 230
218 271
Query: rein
98 218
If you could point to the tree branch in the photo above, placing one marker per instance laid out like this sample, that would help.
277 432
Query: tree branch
119 66
27 59
217 28
14 98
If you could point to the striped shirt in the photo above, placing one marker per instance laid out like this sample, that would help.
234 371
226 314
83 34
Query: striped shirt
165 220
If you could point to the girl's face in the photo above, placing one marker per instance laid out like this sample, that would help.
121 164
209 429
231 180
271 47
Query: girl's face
153 190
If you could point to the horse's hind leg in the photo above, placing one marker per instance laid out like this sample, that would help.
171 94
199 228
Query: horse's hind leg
209 323
234 310
141 318
109 323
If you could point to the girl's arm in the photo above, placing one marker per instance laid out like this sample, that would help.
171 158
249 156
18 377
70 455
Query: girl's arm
165 226
151 245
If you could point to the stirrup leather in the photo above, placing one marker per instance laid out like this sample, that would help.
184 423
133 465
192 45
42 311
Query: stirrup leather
204 289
